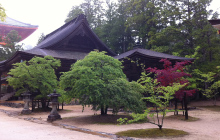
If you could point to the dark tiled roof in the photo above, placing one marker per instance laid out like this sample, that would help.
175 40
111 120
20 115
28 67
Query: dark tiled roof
57 35
214 21
12 22
151 54
57 53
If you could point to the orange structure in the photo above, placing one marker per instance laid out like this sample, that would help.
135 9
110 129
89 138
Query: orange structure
23 29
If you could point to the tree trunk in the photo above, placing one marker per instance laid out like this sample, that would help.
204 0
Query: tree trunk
48 102
176 112
38 103
102 111
160 127
43 103
185 105
106 110
33 105
214 100
182 108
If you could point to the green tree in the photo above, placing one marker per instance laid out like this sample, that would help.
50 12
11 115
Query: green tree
98 80
93 9
146 19
113 32
209 84
41 38
73 13
2 13
11 46
159 96
36 76
189 29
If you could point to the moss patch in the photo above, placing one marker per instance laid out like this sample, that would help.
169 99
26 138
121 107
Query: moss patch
212 108
181 117
96 119
152 133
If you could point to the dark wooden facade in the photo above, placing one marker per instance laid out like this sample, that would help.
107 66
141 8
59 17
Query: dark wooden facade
133 59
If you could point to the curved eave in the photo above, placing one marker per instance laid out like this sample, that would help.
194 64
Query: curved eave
14 59
214 21
159 58
139 52
3 64
19 55
23 27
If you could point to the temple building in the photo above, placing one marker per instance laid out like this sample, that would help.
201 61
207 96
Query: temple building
23 29
74 40
216 24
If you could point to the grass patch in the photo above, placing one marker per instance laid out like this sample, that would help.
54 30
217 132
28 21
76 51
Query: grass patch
181 117
152 133
212 108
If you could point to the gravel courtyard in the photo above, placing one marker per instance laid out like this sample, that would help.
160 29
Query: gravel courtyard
34 126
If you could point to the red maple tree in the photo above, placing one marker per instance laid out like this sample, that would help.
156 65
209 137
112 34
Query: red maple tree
173 74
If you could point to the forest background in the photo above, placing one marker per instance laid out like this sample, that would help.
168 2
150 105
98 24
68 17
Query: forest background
177 27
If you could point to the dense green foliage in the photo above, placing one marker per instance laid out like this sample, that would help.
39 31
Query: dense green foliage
98 80
209 83
35 76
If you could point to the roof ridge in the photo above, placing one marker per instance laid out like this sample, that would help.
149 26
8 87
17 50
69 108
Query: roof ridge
63 26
